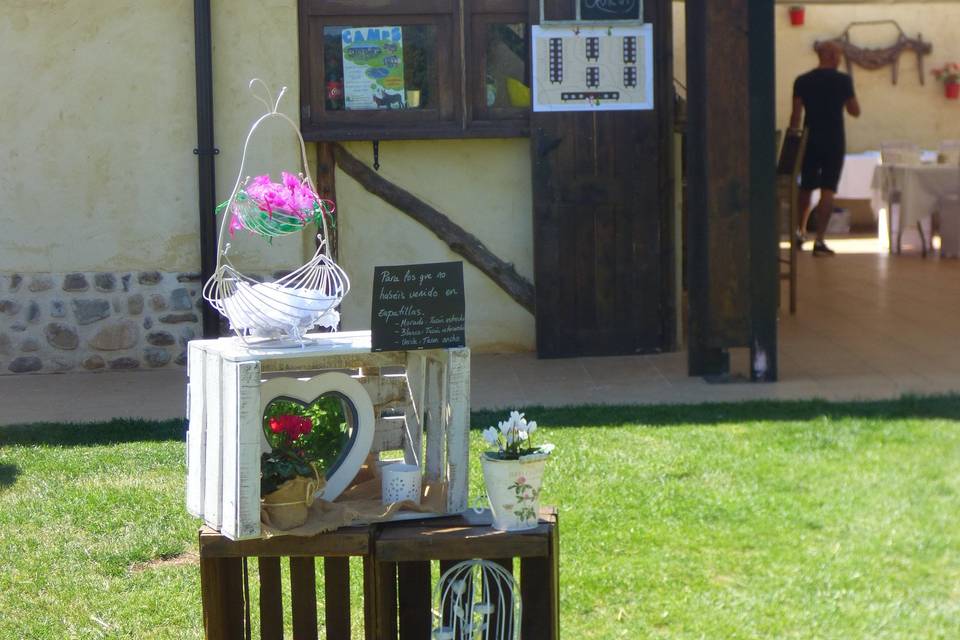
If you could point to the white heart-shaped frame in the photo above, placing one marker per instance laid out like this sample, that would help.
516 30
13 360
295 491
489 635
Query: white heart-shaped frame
307 391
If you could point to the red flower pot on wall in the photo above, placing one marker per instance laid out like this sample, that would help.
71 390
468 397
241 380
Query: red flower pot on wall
952 90
796 16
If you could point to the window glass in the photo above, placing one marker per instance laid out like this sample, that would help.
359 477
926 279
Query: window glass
506 56
380 67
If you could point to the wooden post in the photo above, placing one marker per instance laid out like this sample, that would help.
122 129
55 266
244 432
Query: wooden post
764 231
732 259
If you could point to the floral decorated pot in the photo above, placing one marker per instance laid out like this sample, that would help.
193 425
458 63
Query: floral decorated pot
513 489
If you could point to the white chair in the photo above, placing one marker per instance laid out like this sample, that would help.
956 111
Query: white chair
900 152
903 153
949 152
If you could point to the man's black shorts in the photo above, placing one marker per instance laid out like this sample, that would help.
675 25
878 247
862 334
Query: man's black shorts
821 167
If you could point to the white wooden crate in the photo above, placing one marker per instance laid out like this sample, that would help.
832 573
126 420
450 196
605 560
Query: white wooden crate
420 404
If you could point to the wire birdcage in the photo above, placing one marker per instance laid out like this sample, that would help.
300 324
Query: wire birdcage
477 600
306 297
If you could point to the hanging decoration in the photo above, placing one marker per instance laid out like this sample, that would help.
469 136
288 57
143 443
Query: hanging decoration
308 296
877 58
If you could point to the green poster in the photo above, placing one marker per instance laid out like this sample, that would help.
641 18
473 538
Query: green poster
373 68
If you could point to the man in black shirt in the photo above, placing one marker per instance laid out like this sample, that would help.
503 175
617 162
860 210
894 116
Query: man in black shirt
822 94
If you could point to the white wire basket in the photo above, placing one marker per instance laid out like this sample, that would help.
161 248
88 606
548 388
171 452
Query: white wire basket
477 599
305 298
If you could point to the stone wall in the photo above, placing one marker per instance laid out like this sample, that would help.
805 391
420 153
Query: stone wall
54 322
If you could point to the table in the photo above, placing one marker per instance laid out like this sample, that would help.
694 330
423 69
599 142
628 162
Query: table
397 580
918 189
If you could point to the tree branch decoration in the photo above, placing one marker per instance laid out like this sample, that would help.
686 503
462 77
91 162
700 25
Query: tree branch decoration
873 59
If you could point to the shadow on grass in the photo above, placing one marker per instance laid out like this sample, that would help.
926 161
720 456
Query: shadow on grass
8 475
942 406
91 433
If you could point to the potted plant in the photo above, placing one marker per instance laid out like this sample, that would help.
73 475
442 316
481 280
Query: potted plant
949 74
513 473
288 478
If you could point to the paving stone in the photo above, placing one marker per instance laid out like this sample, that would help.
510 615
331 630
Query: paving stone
10 307
176 318
158 302
58 309
62 364
33 311
181 359
75 282
149 277
189 277
105 281
61 336
117 304
124 363
125 281
147 322
15 282
29 345
93 363
25 364
90 311
180 300
18 326
135 304
116 336
156 356
6 345
40 283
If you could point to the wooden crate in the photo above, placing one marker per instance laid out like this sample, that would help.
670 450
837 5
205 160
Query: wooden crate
397 583
420 404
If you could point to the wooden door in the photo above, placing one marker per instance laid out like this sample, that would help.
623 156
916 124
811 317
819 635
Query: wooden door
602 198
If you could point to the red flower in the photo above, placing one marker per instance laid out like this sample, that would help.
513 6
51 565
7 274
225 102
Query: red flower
291 425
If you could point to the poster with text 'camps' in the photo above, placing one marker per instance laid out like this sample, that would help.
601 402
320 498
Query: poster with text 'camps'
418 306
373 68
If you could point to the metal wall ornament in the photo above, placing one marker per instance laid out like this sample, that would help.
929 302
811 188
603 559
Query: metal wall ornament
308 296
477 600
877 58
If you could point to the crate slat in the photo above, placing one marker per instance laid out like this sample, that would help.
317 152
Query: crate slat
413 579
303 598
271 599
336 601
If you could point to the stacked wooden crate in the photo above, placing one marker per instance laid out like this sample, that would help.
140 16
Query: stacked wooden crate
420 400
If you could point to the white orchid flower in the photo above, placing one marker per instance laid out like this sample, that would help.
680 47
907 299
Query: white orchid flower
531 426
492 436
522 435
506 427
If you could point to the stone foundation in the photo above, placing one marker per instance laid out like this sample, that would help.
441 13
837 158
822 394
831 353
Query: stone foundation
54 322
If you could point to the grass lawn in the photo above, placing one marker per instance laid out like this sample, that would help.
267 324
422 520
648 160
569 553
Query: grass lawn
754 520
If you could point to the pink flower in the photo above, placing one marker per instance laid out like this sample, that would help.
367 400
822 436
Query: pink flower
521 480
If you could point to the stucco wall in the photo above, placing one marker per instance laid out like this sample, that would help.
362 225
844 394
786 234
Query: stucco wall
100 177
484 186
907 110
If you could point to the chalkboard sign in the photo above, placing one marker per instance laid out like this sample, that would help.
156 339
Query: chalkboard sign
418 306
610 10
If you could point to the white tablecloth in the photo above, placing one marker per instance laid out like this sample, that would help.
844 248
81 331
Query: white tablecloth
920 188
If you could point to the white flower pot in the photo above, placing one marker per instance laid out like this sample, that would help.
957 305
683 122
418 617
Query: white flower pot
513 489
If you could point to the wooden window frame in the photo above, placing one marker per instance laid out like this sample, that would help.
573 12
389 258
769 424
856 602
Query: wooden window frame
461 111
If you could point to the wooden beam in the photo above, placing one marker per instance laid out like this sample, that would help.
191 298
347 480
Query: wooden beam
732 225
718 155
764 231
456 237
